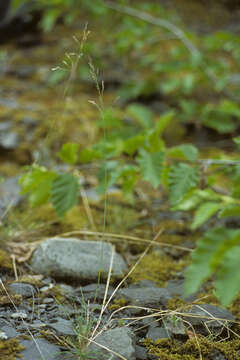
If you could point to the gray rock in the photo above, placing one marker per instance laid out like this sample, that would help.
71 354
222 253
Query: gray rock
146 297
176 288
19 315
120 340
39 349
207 315
74 259
174 325
26 290
63 327
93 291
155 333
9 140
141 353
9 331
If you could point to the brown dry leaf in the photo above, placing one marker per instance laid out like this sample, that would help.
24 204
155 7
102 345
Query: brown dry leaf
21 251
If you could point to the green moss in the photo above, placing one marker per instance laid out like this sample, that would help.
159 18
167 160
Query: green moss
157 267
5 260
117 304
190 350
9 349
176 303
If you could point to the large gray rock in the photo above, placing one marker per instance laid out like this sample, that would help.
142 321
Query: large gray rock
120 340
74 259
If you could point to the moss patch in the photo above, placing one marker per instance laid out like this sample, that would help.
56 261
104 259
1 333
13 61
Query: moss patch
9 349
157 267
190 350
5 261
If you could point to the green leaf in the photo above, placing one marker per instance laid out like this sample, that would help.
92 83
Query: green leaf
228 277
64 193
163 122
204 212
230 210
194 197
182 178
37 182
184 152
69 153
88 155
132 144
151 166
141 114
207 256
107 175
229 107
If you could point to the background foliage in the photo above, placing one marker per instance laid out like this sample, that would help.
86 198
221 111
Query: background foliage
197 76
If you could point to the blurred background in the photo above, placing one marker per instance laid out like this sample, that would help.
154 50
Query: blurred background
154 57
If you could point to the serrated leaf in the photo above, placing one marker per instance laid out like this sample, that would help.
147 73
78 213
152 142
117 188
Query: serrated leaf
184 152
151 165
69 153
163 121
204 212
182 178
208 255
228 285
64 193
194 197
37 182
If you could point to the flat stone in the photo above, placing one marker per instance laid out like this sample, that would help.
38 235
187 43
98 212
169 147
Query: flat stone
174 325
141 353
199 315
9 331
146 297
26 290
39 349
120 340
19 315
155 333
63 327
74 259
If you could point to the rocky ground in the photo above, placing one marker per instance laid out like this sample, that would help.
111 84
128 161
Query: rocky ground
58 298
42 317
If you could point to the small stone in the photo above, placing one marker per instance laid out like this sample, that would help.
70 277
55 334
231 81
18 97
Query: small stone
156 333
174 325
63 327
141 353
208 314
26 290
19 315
39 349
3 335
147 296
9 331
120 340
48 300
